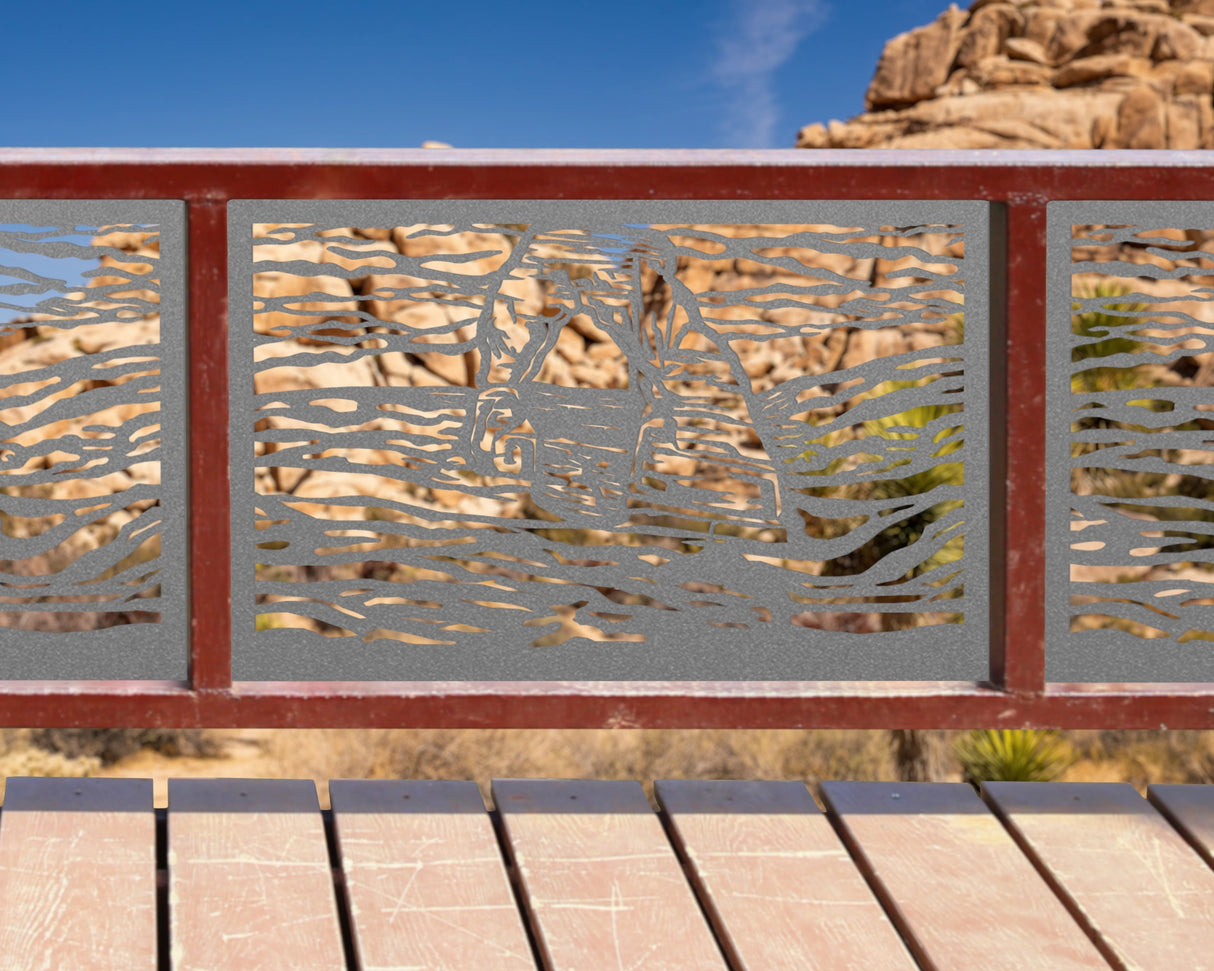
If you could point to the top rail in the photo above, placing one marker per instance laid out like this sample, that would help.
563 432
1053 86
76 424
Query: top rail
1018 186
219 174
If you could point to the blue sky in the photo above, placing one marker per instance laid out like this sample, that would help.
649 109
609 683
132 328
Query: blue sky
396 73
476 74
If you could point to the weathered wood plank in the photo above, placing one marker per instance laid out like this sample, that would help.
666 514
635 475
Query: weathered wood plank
1120 865
601 881
963 893
250 886
78 875
1191 810
426 880
776 881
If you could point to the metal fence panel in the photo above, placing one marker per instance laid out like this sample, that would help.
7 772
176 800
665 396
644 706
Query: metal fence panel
609 441
93 506
1131 330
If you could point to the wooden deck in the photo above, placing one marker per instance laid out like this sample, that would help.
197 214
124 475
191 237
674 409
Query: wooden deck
250 874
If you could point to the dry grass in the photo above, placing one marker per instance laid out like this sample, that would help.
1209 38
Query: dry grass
644 755
1138 757
1142 758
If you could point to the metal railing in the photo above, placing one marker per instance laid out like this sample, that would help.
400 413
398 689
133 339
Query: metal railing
1018 186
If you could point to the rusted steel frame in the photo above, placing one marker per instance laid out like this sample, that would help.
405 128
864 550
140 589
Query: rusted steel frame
1018 521
1024 181
666 705
210 649
221 174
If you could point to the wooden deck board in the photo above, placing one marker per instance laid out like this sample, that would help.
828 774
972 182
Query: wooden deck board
250 886
1128 873
601 881
967 885
965 895
426 881
775 879
1190 809
78 875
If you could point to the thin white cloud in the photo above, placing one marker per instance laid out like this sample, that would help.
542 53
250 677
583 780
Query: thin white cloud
754 40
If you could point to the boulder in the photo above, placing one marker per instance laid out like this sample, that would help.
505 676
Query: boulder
1203 25
1194 77
1025 49
1086 70
1002 72
1041 74
1141 120
1204 8
1177 40
914 64
988 30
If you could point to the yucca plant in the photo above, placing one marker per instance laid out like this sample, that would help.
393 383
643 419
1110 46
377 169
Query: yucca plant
1002 755
919 483
1094 323
943 442
921 427
1113 320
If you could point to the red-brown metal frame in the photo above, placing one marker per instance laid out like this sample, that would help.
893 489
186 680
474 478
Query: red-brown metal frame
1022 183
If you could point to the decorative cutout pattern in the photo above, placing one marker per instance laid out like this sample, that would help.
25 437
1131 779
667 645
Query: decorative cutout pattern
91 447
1132 571
614 441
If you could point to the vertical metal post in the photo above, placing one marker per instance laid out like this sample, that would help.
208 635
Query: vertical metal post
999 538
210 640
1018 656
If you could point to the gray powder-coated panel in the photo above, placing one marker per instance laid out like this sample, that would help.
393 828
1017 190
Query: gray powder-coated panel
565 446
1129 571
93 560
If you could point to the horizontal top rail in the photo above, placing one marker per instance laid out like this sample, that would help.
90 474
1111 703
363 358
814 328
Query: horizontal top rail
560 157
219 174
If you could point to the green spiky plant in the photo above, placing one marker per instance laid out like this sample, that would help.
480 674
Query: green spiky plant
1002 755
1115 319
1128 485
1093 323
920 483
901 427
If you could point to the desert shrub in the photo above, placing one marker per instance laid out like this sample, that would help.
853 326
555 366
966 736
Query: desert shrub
1094 323
1003 755
108 745
1143 757
39 762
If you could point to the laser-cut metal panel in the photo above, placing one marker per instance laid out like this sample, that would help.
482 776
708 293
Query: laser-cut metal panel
1130 558
93 562
513 440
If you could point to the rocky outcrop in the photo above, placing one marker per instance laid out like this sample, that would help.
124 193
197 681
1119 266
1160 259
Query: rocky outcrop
582 355
1075 74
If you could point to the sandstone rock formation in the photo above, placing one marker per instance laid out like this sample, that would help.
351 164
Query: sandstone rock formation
582 355
673 323
1075 74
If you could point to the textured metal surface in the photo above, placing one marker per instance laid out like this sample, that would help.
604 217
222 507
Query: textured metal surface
203 176
1132 576
556 441
210 648
93 559
511 704
1018 400
1021 183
